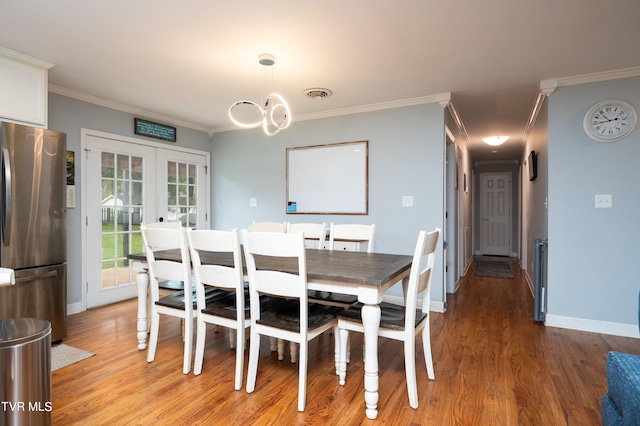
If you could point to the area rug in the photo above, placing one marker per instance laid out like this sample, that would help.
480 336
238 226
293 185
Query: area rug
64 355
493 268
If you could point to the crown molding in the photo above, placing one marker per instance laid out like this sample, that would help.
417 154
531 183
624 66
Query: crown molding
600 76
128 109
456 118
369 108
25 58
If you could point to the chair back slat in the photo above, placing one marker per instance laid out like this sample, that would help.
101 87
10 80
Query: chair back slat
352 232
269 226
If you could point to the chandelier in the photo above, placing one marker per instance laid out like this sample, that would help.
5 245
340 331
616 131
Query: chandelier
274 114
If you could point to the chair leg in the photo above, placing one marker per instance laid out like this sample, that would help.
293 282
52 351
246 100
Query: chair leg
232 338
280 349
254 353
426 345
342 365
410 369
188 344
293 352
153 336
302 379
336 341
201 333
239 356
273 345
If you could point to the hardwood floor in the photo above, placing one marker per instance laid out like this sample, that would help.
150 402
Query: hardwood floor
493 366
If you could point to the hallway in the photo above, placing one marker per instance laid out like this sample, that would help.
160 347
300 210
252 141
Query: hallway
504 368
493 366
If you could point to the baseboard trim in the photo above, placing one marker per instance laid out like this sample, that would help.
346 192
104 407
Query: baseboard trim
593 326
75 308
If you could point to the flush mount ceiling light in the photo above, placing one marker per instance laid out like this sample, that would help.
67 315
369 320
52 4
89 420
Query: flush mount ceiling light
495 140
274 115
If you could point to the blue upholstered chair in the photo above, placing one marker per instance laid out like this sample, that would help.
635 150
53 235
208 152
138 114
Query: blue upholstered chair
621 406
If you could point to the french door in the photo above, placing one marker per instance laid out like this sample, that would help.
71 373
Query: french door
129 182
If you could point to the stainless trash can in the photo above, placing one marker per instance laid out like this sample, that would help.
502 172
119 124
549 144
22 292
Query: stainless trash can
25 372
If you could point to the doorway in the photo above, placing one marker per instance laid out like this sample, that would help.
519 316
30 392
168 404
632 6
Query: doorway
495 214
130 182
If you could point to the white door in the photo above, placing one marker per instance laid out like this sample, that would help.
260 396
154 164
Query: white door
129 183
495 213
182 196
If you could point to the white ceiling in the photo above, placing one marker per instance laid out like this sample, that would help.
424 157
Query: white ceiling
188 61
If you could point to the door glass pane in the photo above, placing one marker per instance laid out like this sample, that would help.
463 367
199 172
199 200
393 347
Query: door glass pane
181 193
122 188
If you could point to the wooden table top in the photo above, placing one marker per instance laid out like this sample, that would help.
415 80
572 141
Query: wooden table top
376 269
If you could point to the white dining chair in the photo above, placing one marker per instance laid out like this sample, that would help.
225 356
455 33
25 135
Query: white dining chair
315 234
287 314
220 293
179 304
355 234
168 286
401 323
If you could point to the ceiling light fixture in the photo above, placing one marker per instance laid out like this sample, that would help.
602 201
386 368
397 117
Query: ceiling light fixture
274 115
495 140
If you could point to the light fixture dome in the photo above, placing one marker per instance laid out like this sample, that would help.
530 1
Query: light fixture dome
495 140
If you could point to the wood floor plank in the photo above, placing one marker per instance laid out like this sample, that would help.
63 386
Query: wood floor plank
493 365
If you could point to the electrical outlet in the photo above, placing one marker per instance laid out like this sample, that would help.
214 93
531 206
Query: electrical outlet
253 202
604 201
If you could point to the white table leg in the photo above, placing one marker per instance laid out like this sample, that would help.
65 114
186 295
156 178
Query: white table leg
371 323
142 281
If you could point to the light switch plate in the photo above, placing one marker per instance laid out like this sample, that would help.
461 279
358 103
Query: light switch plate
407 201
604 201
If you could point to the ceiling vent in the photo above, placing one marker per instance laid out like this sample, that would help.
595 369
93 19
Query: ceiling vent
318 93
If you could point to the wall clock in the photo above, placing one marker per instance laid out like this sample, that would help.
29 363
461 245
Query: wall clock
610 120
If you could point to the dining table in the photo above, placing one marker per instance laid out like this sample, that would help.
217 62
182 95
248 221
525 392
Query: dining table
365 275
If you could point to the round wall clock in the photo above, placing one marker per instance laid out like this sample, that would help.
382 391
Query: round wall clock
610 120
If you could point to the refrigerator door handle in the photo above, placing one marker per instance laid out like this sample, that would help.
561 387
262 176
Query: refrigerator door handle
37 277
6 191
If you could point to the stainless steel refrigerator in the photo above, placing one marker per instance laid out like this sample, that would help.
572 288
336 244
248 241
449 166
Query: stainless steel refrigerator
32 225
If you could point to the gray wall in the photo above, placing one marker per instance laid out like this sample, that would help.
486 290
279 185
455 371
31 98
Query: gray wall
70 116
592 252
406 157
